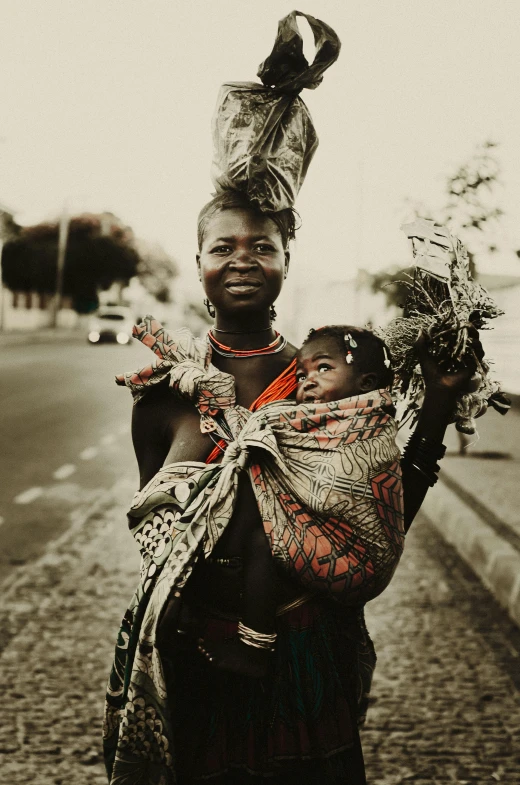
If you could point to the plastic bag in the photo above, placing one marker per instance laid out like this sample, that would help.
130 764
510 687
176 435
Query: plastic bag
263 135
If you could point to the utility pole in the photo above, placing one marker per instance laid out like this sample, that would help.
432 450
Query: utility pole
2 295
5 218
62 250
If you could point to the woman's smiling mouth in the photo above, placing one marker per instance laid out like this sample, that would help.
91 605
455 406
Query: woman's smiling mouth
242 286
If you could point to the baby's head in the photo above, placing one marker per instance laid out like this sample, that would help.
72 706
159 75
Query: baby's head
341 361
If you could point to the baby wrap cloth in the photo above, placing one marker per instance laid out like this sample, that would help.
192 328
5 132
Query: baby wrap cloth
327 482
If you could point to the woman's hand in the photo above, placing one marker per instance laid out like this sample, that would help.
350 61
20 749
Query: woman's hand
452 383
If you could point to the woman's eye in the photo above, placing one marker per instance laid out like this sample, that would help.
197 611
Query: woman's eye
300 377
264 248
221 249
322 367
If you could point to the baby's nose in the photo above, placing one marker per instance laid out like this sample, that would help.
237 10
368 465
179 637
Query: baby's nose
309 382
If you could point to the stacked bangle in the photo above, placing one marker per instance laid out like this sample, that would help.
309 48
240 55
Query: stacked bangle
259 640
422 453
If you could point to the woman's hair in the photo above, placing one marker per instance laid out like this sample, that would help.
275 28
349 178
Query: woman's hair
285 220
370 354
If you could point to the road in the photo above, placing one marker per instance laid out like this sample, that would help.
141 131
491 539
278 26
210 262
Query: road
65 435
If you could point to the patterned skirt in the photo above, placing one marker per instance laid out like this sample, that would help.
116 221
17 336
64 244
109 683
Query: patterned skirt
297 725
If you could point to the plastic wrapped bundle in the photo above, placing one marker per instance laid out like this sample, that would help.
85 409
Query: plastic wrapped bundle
446 304
263 135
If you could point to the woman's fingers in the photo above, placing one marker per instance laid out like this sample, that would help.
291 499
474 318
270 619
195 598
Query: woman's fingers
476 346
475 382
203 651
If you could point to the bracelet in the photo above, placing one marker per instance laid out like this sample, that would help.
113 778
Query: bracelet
426 446
422 453
231 561
259 640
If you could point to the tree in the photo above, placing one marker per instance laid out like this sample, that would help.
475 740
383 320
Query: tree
470 211
100 251
156 269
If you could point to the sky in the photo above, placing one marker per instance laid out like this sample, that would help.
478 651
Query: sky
107 105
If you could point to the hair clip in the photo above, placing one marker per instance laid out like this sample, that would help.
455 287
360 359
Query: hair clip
387 357
351 344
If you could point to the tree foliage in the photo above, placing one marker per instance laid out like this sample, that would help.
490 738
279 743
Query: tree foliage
100 251
156 269
470 211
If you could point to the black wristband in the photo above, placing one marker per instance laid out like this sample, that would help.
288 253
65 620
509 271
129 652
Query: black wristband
422 454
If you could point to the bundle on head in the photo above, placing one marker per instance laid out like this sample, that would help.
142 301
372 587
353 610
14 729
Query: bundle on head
263 135
446 304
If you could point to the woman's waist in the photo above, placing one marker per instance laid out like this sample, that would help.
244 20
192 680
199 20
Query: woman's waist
217 584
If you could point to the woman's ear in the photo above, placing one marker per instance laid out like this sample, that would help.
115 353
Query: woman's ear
197 257
368 382
287 261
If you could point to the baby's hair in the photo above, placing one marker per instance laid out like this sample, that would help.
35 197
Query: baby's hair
370 354
285 220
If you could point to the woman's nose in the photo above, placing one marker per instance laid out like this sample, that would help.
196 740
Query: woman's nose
243 259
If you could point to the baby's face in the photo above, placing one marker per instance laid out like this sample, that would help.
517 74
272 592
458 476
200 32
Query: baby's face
323 374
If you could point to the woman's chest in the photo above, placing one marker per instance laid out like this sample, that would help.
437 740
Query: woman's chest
188 443
252 375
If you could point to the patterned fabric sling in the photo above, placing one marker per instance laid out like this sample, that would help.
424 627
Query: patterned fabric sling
328 486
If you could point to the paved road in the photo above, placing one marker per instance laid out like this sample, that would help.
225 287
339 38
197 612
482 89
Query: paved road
65 435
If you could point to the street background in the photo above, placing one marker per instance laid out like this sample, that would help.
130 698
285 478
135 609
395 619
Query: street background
105 153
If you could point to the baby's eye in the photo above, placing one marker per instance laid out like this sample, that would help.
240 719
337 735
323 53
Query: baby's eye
221 249
322 367
300 377
264 248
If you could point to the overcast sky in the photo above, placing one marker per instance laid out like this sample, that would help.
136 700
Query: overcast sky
106 104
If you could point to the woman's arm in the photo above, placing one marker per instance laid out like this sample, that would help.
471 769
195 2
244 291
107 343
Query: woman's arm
425 446
152 432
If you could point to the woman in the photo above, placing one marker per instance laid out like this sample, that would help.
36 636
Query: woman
298 725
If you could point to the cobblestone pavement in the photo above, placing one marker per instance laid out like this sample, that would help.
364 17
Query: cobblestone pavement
446 707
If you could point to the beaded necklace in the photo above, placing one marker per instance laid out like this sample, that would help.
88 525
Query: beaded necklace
274 347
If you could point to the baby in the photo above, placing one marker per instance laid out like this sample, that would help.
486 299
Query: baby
334 363
339 362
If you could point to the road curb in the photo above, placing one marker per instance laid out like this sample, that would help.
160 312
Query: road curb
489 554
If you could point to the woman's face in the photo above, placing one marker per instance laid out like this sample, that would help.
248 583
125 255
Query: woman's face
242 263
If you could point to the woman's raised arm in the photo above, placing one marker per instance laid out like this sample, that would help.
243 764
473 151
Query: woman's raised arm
425 448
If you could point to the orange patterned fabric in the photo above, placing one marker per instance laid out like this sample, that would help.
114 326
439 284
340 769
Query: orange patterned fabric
328 483
281 387
328 486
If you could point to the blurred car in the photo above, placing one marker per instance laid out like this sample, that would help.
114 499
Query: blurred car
111 323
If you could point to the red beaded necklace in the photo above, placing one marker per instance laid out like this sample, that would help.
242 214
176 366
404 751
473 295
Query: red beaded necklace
275 346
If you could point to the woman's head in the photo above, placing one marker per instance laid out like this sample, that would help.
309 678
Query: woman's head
243 257
340 361
285 220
